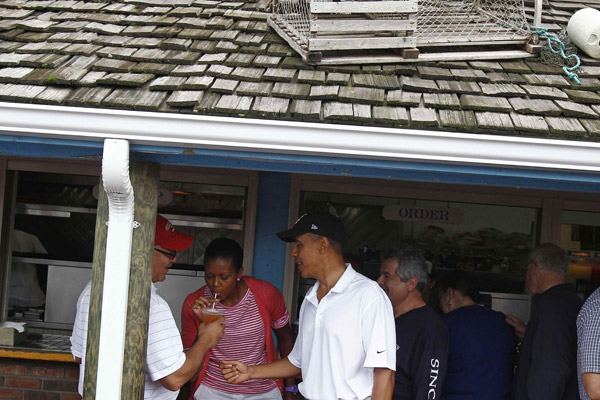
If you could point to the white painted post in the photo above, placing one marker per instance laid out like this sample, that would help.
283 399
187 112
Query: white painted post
115 176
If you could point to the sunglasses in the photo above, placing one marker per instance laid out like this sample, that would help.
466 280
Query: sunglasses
169 254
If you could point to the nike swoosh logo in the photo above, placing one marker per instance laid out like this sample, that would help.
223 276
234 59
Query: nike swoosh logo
379 352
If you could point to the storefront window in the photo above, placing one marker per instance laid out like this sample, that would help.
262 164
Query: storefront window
52 240
203 211
491 241
580 236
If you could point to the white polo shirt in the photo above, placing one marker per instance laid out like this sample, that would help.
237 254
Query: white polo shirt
342 338
164 354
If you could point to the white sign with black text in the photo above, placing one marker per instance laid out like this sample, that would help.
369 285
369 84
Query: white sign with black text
431 215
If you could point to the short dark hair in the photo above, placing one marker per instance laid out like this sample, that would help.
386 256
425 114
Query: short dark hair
411 264
227 249
335 245
462 282
550 257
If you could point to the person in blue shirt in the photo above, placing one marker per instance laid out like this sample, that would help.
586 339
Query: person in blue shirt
481 343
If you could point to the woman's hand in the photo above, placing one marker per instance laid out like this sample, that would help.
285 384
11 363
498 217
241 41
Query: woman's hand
235 371
200 303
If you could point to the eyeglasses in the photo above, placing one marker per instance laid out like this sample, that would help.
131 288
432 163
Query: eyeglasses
167 253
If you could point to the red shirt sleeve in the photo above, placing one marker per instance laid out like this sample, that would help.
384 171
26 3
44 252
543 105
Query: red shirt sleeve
189 320
273 300
278 304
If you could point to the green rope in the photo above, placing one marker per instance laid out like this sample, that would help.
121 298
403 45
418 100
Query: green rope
537 30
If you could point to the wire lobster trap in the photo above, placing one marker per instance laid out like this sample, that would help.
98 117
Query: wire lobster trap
375 31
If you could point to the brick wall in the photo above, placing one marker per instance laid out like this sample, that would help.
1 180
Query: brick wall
38 380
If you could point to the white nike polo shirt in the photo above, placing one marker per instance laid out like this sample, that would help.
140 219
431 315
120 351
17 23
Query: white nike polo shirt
342 338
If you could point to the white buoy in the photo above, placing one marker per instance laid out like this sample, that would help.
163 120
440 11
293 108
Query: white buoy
584 31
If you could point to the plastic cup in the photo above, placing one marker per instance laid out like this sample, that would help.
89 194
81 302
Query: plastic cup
211 315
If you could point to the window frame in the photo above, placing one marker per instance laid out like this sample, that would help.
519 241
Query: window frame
549 202
8 165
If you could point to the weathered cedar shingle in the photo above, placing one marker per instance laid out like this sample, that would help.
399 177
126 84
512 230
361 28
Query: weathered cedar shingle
53 95
543 92
583 96
232 104
502 89
197 82
403 98
591 125
494 121
390 115
291 90
458 87
306 109
88 97
254 88
529 123
458 120
571 109
419 85
270 106
185 98
564 126
338 78
441 100
362 95
422 117
329 92
535 106
125 79
12 92
484 103
136 99
337 110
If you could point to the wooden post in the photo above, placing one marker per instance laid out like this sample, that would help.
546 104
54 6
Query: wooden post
93 335
8 198
144 179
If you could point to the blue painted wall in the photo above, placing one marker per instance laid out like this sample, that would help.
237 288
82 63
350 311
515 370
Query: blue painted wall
271 217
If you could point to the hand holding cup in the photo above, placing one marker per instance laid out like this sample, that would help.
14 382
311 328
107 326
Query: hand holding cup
212 332
203 303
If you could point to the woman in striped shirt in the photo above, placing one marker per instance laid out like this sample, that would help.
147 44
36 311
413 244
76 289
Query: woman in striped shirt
252 308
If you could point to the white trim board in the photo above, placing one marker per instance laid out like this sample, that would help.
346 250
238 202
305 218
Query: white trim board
297 138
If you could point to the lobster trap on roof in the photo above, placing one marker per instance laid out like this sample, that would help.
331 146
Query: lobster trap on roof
378 31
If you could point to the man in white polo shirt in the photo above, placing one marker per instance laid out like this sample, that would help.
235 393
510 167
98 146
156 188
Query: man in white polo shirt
346 344
168 367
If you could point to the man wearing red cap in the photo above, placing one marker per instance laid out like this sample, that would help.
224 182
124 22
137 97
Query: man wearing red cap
168 367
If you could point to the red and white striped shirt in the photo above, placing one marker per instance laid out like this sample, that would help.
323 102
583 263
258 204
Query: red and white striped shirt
244 340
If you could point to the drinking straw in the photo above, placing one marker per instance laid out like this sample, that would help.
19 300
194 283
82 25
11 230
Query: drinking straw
213 306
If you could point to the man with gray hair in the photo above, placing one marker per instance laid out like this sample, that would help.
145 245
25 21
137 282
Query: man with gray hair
421 337
547 366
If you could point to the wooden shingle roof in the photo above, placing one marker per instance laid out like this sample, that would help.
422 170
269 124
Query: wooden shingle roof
215 57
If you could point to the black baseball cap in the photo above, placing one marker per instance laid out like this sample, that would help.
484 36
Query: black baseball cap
318 223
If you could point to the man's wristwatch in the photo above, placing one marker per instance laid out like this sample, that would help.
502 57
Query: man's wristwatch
292 389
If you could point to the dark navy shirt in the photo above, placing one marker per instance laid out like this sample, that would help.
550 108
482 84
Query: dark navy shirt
547 368
421 355
481 354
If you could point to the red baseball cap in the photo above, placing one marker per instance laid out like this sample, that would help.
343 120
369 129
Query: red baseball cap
166 236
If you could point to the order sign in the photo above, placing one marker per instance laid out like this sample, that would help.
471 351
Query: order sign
400 212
